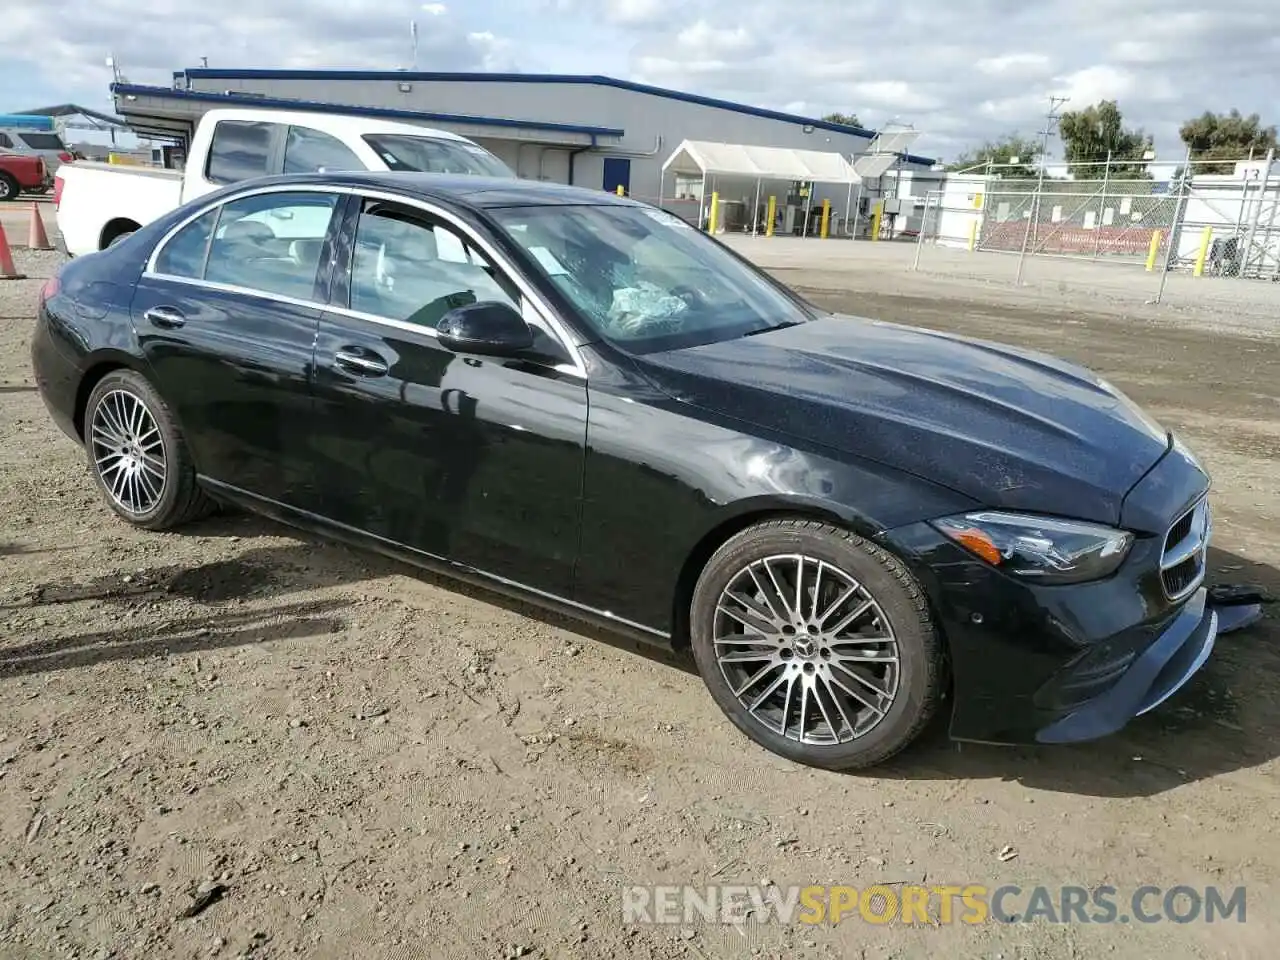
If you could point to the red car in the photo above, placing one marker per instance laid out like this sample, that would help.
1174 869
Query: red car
18 173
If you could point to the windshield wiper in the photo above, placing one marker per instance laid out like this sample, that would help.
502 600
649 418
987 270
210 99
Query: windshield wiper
777 326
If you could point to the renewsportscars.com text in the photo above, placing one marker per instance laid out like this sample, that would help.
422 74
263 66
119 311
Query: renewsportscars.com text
936 903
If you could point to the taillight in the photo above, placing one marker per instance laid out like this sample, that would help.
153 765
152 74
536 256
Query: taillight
49 289
57 191
65 157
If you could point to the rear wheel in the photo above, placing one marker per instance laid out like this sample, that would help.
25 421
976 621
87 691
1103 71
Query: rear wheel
9 187
138 456
817 644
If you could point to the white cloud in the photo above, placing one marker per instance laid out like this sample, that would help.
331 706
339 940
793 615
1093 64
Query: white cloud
960 70
1015 65
702 36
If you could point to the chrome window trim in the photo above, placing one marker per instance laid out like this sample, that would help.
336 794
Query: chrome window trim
551 323
404 325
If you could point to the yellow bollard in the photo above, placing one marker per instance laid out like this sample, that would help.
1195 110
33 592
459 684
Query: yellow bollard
715 212
772 215
621 191
1156 237
875 220
825 229
1205 239
973 235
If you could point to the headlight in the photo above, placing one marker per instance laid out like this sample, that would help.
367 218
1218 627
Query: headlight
1045 549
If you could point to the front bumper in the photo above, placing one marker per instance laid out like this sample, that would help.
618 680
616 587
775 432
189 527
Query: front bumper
1152 678
1036 664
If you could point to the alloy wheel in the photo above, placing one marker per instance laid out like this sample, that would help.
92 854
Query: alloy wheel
128 452
806 649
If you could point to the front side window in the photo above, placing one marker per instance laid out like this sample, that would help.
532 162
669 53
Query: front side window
183 255
5 141
644 278
271 242
406 266
310 151
432 155
240 150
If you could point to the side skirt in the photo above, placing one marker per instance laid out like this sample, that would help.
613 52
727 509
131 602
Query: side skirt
313 523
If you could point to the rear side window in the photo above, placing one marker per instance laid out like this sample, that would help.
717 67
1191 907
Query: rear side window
43 141
310 151
5 141
241 150
183 255
271 242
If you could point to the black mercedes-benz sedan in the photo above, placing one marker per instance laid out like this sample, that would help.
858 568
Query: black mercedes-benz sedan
581 399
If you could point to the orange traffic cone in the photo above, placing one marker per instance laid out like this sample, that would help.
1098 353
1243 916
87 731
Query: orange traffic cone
37 239
7 270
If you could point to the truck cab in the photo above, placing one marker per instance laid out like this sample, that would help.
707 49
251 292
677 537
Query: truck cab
98 204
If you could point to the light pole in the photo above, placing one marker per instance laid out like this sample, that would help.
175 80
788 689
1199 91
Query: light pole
1050 119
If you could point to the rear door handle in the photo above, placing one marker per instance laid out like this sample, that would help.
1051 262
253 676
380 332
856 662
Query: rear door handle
167 317
361 363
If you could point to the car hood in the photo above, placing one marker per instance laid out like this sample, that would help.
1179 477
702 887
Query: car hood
1010 428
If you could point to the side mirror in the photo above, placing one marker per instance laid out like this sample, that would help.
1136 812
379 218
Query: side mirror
489 328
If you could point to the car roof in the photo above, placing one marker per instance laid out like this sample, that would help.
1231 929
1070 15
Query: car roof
336 123
465 189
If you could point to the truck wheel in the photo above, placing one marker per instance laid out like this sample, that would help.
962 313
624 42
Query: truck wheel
9 188
817 644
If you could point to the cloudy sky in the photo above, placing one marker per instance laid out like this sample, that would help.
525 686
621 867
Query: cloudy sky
959 70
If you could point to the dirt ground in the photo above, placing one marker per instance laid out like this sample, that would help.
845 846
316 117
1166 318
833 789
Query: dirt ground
376 764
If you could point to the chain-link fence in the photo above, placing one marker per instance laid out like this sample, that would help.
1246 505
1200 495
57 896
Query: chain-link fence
1193 220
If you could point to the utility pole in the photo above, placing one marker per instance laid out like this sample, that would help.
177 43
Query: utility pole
1050 127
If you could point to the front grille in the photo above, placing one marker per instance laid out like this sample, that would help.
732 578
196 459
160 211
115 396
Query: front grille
1186 545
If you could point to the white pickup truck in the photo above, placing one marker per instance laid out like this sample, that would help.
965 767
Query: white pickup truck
98 203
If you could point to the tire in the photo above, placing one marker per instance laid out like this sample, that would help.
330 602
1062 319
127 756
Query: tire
123 459
867 731
123 235
9 187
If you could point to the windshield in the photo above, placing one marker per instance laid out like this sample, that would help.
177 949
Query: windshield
644 278
429 155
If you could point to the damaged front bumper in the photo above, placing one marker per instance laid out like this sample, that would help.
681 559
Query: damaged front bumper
1164 667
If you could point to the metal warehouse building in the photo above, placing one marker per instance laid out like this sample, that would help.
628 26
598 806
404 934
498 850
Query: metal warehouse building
586 130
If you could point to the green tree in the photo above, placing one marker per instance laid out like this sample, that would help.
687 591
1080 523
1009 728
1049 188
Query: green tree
845 119
1090 135
1001 153
1226 137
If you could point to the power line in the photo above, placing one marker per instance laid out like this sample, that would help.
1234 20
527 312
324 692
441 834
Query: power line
1050 124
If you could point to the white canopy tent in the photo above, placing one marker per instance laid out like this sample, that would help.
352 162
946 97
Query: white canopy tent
707 158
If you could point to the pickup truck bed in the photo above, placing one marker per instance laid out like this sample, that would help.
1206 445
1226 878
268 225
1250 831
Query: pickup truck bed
94 189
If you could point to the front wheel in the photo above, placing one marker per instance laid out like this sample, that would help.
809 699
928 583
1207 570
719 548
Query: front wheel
9 187
817 644
138 456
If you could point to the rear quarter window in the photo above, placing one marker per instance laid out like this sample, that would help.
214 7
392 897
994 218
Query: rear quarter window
184 254
43 141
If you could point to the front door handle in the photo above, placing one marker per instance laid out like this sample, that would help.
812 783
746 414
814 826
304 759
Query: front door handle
167 317
361 363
